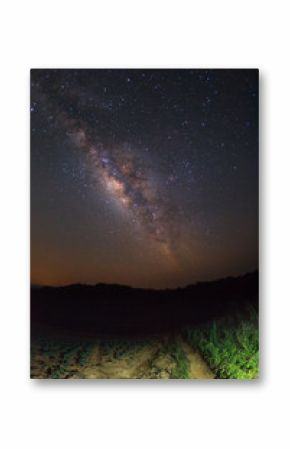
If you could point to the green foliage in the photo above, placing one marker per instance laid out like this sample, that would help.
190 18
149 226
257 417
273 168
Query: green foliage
230 345
181 370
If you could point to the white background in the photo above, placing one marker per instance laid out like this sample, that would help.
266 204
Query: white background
135 414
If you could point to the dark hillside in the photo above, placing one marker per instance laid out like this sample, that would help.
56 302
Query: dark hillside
114 309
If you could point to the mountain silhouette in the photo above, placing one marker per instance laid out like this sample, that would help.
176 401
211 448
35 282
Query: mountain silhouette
116 309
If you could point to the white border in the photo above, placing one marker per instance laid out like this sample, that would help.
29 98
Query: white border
221 414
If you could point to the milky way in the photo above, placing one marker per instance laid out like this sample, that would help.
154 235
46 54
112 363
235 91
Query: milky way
144 177
117 170
121 173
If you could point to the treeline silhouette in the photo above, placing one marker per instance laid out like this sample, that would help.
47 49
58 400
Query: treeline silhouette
117 309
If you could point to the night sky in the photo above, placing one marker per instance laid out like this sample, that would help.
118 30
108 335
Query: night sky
143 177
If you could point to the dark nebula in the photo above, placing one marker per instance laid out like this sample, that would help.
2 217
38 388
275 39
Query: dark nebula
143 177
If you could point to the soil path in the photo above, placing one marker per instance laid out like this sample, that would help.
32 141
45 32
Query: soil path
198 369
100 366
144 364
155 359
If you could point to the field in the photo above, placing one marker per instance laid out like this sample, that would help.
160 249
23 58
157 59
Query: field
230 345
153 358
225 349
204 331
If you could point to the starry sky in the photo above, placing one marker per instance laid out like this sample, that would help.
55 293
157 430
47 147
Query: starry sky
147 178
